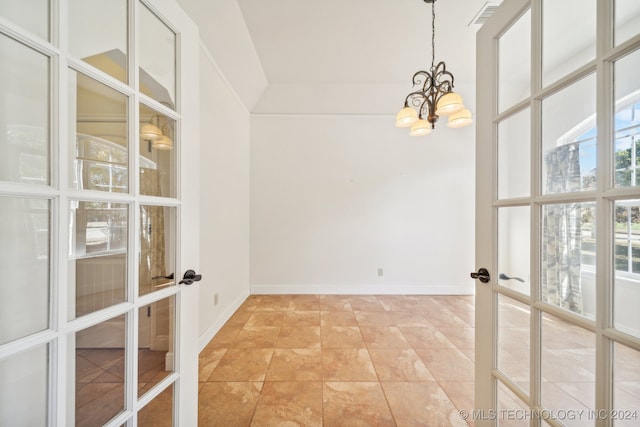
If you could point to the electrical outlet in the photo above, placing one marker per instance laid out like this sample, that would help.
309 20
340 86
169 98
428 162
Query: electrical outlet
380 272
215 299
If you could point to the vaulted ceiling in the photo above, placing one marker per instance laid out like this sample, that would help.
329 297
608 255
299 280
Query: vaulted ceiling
358 56
335 56
355 56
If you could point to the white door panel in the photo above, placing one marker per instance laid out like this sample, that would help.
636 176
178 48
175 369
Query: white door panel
95 327
558 134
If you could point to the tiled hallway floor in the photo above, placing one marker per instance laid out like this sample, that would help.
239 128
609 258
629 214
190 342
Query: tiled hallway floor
339 360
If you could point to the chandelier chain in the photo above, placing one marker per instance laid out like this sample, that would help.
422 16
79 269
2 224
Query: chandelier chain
433 34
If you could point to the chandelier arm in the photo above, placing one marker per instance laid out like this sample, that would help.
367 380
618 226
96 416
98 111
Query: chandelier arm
428 80
425 109
443 87
416 100
446 73
440 71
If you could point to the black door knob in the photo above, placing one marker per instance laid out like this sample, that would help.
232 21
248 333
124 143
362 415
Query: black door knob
189 277
482 274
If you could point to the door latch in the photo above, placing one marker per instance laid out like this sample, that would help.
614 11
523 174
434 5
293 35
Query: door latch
482 275
189 277
505 277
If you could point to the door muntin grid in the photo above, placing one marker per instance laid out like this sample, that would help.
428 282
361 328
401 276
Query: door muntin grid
602 237
43 181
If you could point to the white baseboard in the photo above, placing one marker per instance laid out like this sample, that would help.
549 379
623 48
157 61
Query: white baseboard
364 289
212 330
169 361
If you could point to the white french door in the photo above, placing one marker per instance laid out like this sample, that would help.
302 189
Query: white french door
98 123
558 214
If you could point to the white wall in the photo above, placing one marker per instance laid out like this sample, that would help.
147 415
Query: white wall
224 201
224 33
334 198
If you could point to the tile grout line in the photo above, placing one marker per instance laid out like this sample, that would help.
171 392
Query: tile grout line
384 393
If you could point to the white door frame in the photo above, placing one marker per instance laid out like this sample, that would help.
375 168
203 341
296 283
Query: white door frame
189 216
486 218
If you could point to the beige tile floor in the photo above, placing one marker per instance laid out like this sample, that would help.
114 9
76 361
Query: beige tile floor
340 361
360 360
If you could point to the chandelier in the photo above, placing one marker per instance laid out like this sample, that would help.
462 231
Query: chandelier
435 96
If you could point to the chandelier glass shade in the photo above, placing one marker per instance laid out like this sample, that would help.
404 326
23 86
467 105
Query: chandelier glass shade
419 128
449 103
406 117
434 96
460 119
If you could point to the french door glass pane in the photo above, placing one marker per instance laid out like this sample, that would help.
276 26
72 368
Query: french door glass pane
24 266
24 113
32 15
627 120
627 20
626 384
100 372
98 34
569 138
157 248
99 136
626 292
514 63
514 155
567 368
24 380
157 154
512 412
98 256
156 333
568 37
513 248
568 257
513 341
158 412
157 59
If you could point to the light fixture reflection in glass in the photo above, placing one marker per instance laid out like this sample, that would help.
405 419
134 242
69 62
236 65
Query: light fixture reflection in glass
158 132
164 143
150 131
